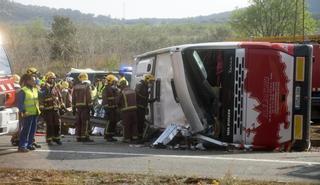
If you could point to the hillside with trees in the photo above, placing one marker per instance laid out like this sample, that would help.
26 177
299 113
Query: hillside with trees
57 40
13 12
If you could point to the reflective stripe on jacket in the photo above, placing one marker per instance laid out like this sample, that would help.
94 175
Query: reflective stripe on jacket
127 100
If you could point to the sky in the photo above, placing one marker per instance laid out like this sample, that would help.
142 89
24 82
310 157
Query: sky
132 9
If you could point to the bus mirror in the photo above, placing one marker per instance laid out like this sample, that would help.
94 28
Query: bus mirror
158 89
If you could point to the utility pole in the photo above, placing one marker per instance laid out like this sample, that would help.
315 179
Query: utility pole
295 22
303 20
123 10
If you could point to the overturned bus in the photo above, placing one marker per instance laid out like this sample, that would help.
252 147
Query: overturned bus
244 94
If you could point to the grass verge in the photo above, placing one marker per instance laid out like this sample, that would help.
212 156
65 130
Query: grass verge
31 177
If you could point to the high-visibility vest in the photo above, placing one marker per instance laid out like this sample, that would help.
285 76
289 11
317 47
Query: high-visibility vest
100 88
31 101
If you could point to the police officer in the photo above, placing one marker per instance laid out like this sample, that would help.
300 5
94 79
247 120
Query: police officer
143 98
128 108
81 107
109 96
50 104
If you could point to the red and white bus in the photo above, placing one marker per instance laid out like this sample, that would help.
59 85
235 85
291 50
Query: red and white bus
247 94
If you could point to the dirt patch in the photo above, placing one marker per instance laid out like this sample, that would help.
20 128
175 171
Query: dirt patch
30 177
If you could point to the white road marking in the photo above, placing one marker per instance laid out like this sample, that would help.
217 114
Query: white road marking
183 156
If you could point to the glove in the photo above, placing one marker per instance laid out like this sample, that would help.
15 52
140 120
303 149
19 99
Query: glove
74 111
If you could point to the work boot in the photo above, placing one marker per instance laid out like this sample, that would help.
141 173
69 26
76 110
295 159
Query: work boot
58 142
31 148
36 145
23 150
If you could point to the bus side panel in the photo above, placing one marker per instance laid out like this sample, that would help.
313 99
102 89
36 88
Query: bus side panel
268 100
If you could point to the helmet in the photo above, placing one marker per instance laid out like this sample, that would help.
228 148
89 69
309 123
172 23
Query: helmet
83 76
16 78
123 82
50 75
65 84
32 71
148 78
110 79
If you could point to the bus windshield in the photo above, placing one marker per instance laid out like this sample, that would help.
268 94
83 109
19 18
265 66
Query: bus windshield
4 63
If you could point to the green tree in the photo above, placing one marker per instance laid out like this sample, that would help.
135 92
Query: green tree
62 38
273 18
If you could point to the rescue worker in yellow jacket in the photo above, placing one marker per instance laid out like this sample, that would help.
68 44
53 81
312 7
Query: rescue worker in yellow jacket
128 107
109 97
50 104
143 99
28 104
34 73
81 107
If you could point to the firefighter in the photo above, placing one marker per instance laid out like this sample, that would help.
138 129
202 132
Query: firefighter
123 78
66 94
50 104
81 107
109 96
28 104
16 80
143 98
128 107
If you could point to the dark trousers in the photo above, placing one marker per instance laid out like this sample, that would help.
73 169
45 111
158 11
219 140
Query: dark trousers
82 122
52 119
111 122
28 130
141 113
129 120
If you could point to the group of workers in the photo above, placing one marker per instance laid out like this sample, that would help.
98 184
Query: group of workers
117 97
50 99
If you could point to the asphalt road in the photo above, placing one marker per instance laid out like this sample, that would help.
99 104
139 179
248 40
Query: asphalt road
124 158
